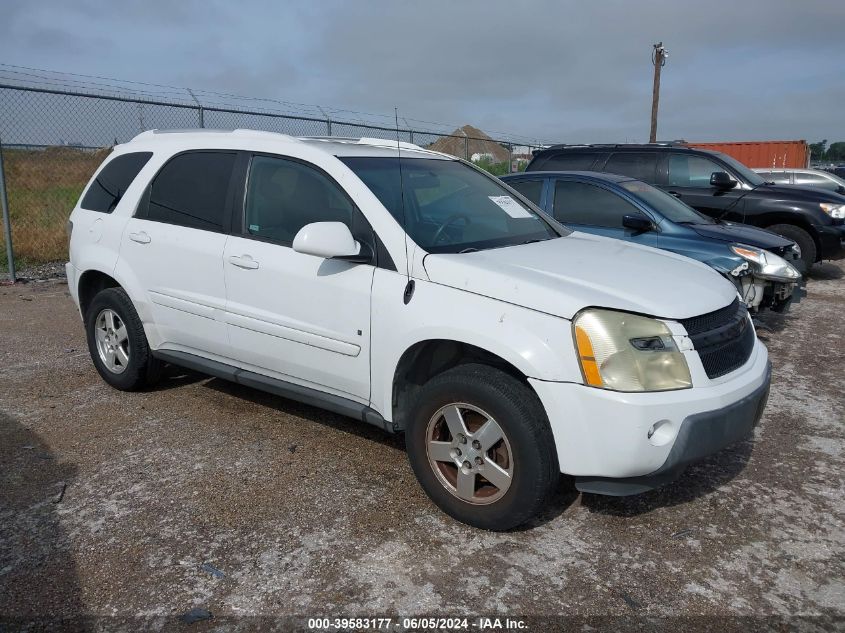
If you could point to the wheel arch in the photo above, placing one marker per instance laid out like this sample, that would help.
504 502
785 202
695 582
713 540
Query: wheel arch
430 357
90 283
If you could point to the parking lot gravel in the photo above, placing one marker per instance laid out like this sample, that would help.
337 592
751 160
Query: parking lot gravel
202 499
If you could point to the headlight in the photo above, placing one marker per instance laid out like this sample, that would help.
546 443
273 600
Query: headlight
768 265
627 352
833 210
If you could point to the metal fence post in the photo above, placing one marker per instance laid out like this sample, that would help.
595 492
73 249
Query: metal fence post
199 107
466 148
7 221
510 158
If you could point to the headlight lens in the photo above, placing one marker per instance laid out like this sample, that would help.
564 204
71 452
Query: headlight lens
833 210
627 352
768 265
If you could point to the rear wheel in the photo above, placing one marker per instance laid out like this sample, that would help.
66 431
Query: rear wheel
117 343
481 446
803 239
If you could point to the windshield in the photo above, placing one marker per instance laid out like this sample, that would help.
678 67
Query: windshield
665 204
751 177
450 207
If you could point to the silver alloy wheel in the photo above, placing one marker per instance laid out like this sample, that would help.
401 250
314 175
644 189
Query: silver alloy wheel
112 341
469 453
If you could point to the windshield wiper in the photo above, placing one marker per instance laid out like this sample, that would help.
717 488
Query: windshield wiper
532 241
468 249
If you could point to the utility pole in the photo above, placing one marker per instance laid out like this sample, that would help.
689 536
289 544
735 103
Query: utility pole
658 59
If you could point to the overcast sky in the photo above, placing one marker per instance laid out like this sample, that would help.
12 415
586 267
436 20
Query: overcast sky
556 71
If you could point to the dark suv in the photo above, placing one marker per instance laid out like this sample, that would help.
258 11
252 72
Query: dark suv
719 186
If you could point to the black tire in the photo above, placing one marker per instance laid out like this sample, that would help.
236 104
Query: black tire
803 239
519 413
142 369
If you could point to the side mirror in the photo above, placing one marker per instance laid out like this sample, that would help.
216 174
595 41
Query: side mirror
330 240
637 223
721 180
840 189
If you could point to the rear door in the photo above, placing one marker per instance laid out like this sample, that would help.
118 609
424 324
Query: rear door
592 208
297 317
688 178
174 247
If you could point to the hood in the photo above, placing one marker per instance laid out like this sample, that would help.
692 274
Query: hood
806 194
743 234
565 275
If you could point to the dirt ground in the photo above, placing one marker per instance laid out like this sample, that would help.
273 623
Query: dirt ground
135 509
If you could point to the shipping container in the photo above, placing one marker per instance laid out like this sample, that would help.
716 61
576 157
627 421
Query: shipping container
794 154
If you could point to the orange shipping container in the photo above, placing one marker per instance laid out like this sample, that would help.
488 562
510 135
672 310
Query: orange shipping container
764 153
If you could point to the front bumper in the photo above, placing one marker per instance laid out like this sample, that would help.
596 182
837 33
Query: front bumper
701 435
601 434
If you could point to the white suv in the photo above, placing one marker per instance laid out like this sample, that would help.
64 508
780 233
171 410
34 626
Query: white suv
410 290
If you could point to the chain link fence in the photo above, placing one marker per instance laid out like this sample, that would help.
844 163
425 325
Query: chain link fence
54 135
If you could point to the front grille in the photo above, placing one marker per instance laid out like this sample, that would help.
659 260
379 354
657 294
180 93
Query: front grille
711 320
723 339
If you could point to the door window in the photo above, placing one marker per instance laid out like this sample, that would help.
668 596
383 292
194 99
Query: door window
190 190
688 170
113 181
284 195
580 203
531 189
639 165
573 161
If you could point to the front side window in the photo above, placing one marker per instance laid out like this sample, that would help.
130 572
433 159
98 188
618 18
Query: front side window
664 203
284 195
689 170
447 206
531 189
190 190
580 203
639 165
816 180
113 181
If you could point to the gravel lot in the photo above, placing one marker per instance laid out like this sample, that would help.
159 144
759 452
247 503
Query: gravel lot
133 509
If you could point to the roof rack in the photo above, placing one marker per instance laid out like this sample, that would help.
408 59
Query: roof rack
235 132
677 143
355 140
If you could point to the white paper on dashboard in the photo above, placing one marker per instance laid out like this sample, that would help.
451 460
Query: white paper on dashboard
511 206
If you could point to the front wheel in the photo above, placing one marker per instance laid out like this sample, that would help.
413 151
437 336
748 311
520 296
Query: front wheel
481 447
804 240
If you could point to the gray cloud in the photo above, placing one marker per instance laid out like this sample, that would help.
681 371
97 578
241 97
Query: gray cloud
569 71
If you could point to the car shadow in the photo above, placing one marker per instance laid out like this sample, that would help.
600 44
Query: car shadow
287 406
173 377
696 481
825 271
39 584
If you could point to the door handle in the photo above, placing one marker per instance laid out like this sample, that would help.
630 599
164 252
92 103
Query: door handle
244 261
141 237
675 193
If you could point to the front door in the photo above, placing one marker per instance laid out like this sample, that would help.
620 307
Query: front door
689 180
593 209
297 317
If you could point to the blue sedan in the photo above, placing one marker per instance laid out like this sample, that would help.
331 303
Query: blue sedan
755 260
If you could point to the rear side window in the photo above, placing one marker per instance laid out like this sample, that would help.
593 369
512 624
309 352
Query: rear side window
580 203
113 181
190 190
639 165
574 161
531 189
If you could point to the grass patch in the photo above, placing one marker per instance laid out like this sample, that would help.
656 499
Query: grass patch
43 187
